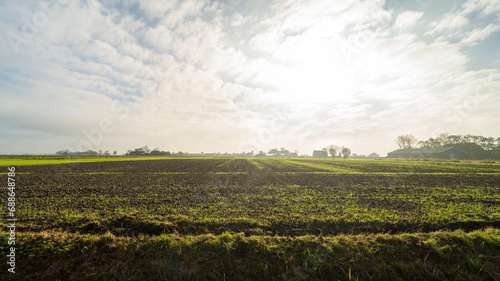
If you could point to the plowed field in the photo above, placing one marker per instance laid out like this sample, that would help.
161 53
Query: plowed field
258 196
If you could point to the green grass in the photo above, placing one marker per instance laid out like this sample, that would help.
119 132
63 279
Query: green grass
46 160
54 255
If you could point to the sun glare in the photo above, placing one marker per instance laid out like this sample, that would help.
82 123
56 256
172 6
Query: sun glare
317 72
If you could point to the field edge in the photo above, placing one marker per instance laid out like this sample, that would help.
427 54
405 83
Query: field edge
443 255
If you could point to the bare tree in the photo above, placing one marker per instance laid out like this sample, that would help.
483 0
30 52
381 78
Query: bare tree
455 139
346 152
487 143
443 139
332 149
273 151
406 141
114 153
468 138
341 151
425 143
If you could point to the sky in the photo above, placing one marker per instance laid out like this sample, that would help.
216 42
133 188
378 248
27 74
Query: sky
237 75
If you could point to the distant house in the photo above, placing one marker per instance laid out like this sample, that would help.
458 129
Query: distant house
320 154
429 152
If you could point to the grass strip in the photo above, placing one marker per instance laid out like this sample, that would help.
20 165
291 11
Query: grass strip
456 255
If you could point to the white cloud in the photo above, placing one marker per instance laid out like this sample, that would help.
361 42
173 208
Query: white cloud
160 37
408 19
185 9
485 7
192 80
478 34
157 8
448 23
267 41
462 24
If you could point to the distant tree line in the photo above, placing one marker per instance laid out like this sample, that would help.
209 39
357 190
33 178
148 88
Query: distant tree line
479 147
67 152
279 152
142 151
340 151
443 139
145 151
487 143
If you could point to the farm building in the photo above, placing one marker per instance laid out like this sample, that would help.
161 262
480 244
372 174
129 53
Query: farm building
473 151
320 154
429 152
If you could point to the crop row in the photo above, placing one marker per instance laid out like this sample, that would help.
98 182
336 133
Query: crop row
215 195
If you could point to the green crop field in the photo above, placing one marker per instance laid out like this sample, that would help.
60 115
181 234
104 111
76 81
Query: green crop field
7 161
255 219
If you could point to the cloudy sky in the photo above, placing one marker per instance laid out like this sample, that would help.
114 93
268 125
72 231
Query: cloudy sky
237 75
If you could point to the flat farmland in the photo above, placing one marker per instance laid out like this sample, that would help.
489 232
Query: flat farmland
243 199
259 196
